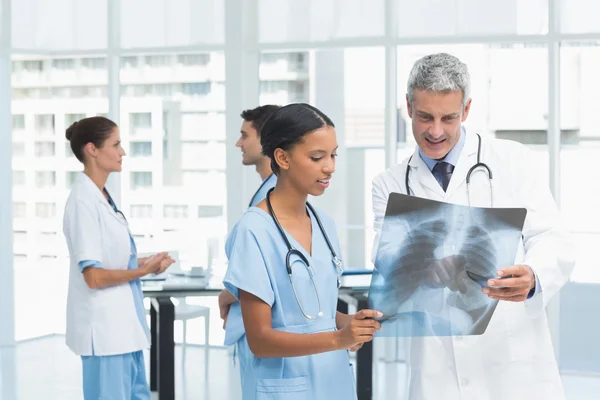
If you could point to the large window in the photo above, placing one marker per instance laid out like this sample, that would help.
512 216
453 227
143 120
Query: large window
471 18
363 130
578 16
173 127
284 77
580 138
285 21
579 190
49 94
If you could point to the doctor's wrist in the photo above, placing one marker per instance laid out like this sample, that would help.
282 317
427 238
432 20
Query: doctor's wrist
142 271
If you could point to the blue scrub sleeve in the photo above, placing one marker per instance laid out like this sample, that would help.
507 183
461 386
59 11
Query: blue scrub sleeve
83 230
89 263
247 269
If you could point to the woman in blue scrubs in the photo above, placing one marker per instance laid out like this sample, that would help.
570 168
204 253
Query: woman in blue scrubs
292 342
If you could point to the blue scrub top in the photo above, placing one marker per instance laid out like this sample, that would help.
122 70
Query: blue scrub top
256 253
261 192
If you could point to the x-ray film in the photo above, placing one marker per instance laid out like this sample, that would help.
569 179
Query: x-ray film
432 262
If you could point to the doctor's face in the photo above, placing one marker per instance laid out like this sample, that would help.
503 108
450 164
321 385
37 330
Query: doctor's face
436 120
311 163
109 157
249 143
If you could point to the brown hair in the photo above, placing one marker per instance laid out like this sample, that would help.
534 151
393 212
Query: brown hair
93 129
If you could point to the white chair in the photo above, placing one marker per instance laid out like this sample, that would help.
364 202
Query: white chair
184 312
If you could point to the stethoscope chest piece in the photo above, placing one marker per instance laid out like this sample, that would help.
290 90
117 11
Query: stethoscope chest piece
340 270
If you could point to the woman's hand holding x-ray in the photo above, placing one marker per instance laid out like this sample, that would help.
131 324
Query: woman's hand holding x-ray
359 329
515 284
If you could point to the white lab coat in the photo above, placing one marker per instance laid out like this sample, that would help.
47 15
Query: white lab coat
99 321
514 358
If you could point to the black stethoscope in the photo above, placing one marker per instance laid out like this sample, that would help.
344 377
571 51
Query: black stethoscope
292 251
122 220
259 189
479 164
113 205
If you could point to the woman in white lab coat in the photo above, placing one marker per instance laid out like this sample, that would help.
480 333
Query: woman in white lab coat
106 322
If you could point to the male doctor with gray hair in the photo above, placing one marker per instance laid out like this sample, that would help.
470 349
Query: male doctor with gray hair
514 358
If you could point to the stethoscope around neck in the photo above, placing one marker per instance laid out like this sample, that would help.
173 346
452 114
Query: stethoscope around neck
113 205
292 251
479 164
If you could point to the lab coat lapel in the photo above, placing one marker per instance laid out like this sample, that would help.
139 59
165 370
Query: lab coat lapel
90 187
466 160
97 195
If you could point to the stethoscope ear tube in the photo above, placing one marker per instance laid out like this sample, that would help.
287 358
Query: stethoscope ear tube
479 164
292 251
288 260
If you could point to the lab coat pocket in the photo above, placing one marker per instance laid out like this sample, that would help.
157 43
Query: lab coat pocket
521 338
292 388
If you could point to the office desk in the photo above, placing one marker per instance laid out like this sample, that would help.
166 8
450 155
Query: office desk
162 319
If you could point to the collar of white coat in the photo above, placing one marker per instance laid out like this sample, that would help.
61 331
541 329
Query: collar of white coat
90 187
420 172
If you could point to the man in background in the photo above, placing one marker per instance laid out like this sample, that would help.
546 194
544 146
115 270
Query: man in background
249 143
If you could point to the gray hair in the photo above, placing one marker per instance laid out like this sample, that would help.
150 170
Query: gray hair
440 73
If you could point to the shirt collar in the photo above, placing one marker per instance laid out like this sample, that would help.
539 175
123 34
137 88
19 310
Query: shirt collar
451 157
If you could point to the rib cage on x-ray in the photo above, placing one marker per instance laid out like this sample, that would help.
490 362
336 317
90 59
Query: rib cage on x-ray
406 265
434 259
478 248
410 264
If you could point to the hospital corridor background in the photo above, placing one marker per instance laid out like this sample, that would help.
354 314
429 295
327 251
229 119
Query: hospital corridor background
175 76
